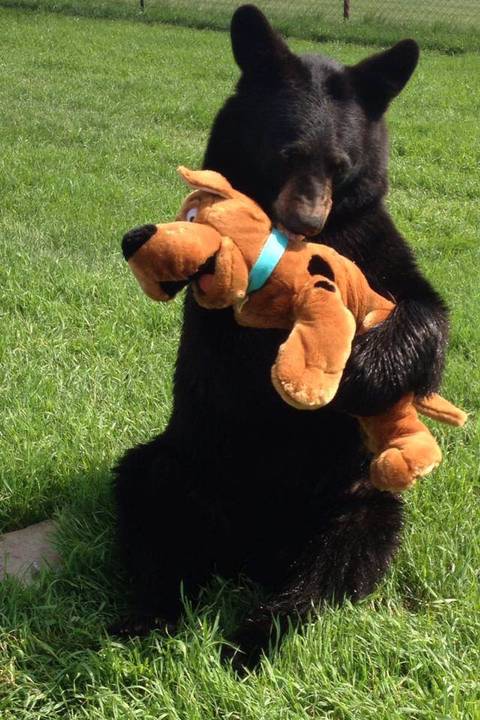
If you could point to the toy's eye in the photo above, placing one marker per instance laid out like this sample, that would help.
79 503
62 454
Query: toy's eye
191 214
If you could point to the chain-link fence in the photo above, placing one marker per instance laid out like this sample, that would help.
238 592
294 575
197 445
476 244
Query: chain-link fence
428 12
456 13
444 24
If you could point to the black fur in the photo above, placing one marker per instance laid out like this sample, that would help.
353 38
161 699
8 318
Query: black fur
233 484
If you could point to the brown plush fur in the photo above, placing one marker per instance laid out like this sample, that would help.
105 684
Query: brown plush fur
318 294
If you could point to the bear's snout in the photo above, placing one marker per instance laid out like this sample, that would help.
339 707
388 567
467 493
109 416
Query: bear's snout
134 239
303 205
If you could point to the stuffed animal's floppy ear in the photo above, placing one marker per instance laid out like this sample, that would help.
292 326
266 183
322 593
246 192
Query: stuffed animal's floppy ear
208 180
380 77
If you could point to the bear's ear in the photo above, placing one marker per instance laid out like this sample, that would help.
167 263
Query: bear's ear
259 51
208 180
379 78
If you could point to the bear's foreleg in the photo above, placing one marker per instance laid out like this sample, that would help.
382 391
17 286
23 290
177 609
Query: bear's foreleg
165 539
403 354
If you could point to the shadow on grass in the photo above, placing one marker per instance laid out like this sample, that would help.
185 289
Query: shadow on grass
56 629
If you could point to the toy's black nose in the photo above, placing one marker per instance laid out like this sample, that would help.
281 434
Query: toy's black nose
135 238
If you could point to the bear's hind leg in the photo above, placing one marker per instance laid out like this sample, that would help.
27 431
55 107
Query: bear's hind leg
344 559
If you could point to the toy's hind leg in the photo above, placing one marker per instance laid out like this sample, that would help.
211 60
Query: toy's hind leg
404 447
344 559
165 537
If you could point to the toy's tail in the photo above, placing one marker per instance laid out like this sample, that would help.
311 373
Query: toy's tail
436 407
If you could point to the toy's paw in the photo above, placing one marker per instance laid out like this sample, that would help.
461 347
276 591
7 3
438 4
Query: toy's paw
140 626
311 390
397 469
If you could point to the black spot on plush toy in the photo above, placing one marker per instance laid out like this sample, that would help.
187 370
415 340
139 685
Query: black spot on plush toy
239 481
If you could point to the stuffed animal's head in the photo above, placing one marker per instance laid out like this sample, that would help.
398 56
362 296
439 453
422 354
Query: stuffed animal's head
213 244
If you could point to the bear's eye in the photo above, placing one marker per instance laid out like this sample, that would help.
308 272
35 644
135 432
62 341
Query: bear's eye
191 214
340 166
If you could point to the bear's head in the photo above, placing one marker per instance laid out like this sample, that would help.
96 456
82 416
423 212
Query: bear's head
304 135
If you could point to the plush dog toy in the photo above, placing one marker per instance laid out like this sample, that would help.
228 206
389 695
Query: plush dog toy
223 243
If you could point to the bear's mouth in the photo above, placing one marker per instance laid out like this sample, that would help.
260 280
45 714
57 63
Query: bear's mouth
172 287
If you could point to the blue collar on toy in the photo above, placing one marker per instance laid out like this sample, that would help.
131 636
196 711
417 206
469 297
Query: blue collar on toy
267 261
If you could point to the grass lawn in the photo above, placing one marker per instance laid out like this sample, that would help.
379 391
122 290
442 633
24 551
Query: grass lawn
96 115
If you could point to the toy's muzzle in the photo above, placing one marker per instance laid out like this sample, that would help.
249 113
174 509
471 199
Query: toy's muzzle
165 258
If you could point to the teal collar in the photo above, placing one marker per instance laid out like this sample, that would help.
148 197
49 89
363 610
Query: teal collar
267 261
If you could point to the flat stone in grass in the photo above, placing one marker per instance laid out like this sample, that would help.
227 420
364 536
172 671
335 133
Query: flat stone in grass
23 553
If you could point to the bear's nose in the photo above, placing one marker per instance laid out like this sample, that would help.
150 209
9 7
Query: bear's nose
134 239
303 223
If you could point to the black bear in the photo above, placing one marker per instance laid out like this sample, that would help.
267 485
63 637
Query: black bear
240 482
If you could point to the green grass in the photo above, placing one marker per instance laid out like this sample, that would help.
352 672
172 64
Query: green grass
95 117
448 26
